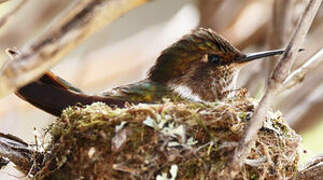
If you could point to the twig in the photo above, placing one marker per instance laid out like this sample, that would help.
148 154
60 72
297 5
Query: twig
285 64
275 83
303 96
10 14
208 11
235 32
12 53
16 150
298 75
313 170
297 96
3 1
85 18
315 97
282 23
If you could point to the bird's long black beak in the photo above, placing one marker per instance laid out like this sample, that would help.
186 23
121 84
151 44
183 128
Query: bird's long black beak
258 55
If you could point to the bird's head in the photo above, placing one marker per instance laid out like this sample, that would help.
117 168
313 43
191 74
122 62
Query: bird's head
200 57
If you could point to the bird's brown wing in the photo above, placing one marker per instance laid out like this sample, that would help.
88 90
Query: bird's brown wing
52 94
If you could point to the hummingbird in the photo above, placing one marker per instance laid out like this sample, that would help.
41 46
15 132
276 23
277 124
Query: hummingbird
201 66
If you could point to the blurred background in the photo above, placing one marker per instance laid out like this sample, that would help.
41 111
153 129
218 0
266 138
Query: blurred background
122 53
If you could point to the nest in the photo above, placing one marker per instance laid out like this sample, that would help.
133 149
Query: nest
166 142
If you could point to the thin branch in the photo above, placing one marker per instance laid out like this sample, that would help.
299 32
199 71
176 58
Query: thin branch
297 96
299 74
16 150
3 1
235 30
285 64
10 14
282 24
275 82
277 33
85 18
208 11
306 107
303 96
314 170
12 53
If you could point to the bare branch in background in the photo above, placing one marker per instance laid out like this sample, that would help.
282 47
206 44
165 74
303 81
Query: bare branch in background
257 37
236 31
276 30
282 24
12 53
299 74
280 73
309 109
10 14
314 170
17 151
282 15
299 95
85 18
306 95
239 12
208 10
3 1
285 64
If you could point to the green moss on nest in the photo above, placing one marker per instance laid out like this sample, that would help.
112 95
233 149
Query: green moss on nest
166 141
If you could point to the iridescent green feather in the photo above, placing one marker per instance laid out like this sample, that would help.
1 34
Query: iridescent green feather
143 91
174 60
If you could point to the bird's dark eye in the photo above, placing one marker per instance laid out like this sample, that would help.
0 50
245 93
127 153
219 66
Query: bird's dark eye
214 59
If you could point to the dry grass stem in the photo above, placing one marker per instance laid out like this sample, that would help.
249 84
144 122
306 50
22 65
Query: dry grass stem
275 82
282 24
3 1
309 109
16 150
11 13
276 30
85 18
208 9
285 64
314 170
299 74
305 97
235 32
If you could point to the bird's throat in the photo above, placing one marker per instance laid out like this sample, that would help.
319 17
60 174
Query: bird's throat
186 92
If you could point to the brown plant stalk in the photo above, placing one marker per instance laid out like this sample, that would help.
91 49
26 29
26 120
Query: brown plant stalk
208 10
85 18
275 82
299 74
313 170
11 13
3 1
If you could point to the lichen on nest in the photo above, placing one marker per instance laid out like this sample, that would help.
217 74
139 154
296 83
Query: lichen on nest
181 140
